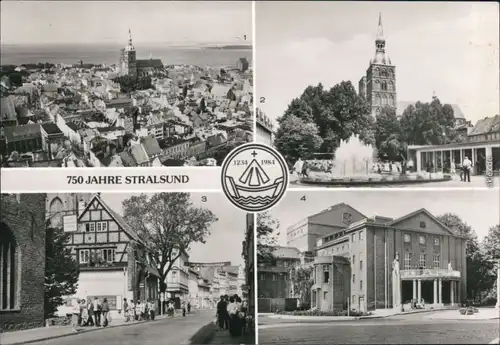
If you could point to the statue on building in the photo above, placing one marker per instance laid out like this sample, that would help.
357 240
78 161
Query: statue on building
396 284
449 266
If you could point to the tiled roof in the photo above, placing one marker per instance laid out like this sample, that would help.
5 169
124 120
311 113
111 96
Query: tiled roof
151 146
149 63
14 133
286 252
7 109
51 128
486 125
139 154
127 159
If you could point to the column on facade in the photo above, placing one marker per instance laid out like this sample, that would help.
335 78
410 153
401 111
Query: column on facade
414 289
452 159
9 274
461 156
418 161
440 295
419 290
435 292
452 292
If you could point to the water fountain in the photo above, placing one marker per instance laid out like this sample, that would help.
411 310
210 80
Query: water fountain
356 164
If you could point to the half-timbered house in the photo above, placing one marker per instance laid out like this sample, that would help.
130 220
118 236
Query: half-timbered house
115 263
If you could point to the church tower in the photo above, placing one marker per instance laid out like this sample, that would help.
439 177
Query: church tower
378 87
128 61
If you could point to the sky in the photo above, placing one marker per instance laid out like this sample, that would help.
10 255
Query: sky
448 48
227 234
80 22
478 208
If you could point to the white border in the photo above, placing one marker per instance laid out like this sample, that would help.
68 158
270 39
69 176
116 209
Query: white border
254 68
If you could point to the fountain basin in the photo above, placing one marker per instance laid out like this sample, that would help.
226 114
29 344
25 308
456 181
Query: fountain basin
372 180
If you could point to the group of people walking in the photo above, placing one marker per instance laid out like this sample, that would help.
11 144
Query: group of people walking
231 315
139 311
90 313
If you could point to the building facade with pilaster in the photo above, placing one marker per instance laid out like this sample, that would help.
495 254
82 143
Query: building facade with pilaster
380 263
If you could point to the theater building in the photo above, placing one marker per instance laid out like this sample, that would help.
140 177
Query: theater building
22 261
354 264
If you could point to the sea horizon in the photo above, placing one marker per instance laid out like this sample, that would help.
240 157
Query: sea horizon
198 54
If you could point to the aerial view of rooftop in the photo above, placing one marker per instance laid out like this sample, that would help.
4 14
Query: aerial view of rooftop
128 84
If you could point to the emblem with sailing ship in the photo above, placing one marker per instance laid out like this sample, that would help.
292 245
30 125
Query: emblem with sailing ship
254 177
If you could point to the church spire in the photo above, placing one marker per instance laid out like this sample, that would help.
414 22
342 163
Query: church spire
380 40
129 37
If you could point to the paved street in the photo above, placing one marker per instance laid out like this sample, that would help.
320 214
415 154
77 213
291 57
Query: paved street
166 331
401 329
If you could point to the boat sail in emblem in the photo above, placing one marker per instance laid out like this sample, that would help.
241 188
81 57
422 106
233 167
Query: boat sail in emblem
254 188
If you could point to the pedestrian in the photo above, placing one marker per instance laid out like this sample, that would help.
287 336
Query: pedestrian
298 167
91 317
84 313
305 166
152 309
467 167
189 307
138 308
221 313
75 315
97 312
131 312
105 311
232 310
125 310
183 309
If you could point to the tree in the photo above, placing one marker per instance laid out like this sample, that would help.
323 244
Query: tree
388 136
266 240
479 269
491 243
300 109
302 280
428 123
169 224
296 138
61 270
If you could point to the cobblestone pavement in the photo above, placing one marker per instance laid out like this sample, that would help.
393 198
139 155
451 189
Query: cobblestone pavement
175 331
401 329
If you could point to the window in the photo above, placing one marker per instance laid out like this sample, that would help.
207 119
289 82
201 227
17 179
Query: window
360 265
9 265
422 225
384 86
285 263
352 237
353 299
353 278
102 226
353 260
346 218
421 239
326 274
90 227
407 238
274 277
435 261
84 256
109 255
361 235
407 261
436 241
262 276
421 262
361 285
325 295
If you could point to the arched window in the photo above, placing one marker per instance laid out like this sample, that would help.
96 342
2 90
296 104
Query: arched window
377 100
383 73
384 85
384 99
375 71
56 212
390 86
9 273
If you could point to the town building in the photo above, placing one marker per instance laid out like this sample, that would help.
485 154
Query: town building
242 64
177 280
482 145
274 279
380 262
22 261
265 134
115 263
